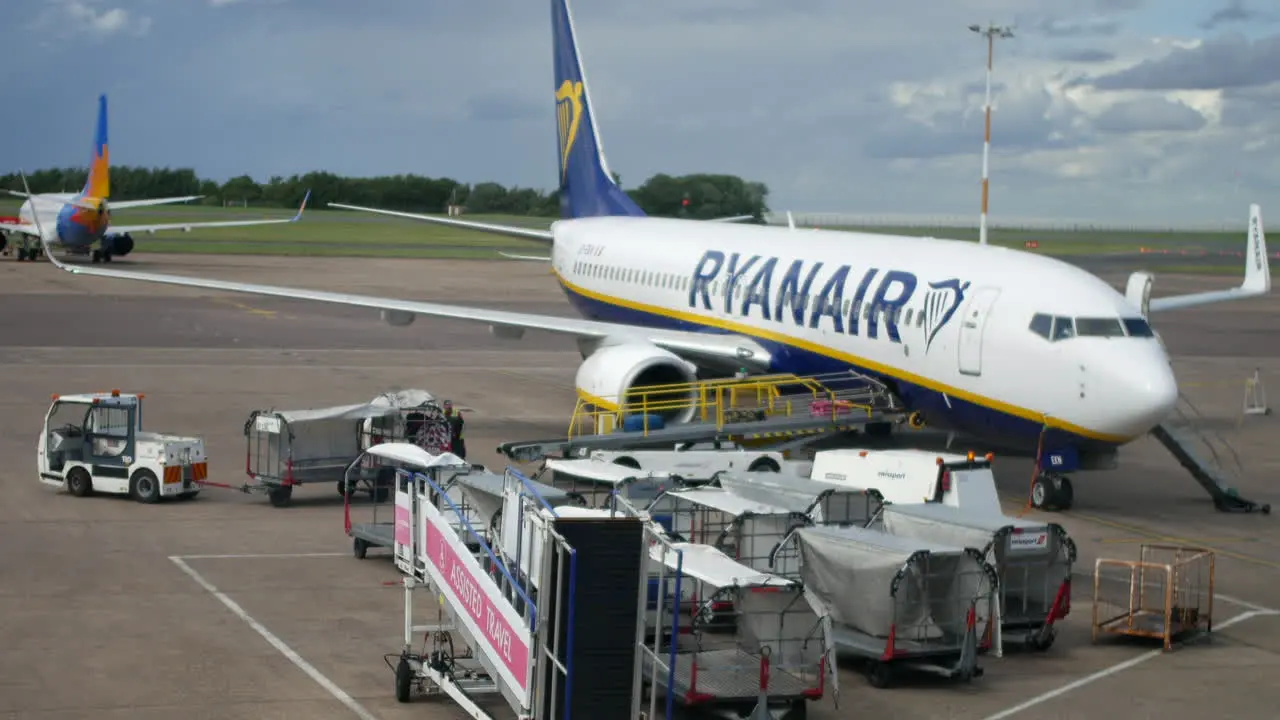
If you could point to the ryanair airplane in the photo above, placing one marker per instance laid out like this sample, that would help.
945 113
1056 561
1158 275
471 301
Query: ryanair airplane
1008 346
79 222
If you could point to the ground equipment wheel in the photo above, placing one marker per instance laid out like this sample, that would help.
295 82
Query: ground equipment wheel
79 483
359 548
279 496
145 487
880 675
404 679
764 465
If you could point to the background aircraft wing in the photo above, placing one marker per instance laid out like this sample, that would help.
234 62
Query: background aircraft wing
117 229
24 228
121 204
515 256
1257 273
707 350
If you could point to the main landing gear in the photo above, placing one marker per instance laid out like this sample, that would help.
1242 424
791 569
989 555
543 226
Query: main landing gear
100 255
1052 491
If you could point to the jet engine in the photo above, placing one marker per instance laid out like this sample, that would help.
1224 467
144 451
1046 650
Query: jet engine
121 245
614 371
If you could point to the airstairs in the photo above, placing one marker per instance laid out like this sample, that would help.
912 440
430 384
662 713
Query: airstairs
769 409
518 590
1207 455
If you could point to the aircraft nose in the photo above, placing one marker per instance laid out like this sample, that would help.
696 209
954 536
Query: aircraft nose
1146 391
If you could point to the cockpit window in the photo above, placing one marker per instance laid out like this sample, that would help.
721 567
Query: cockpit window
1137 327
1042 325
1063 328
1099 327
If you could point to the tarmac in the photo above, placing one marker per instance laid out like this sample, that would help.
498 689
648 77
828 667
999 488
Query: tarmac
225 607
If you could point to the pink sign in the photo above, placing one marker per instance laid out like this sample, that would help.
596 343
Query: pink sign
404 531
470 589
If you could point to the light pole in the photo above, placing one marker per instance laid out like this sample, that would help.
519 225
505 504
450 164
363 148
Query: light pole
991 32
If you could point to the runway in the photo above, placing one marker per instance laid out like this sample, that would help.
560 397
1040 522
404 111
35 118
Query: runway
100 622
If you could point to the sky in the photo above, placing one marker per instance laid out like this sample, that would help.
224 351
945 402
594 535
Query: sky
1115 111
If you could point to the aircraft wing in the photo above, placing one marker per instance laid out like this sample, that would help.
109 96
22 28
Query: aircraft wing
1257 274
509 230
187 227
122 204
514 256
24 228
707 349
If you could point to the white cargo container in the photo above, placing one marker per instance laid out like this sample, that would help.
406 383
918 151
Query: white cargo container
912 476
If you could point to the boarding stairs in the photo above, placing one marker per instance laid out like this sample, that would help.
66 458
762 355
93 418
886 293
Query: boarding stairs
760 410
513 598
1207 455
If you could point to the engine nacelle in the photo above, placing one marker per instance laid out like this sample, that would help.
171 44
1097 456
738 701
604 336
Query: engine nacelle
612 372
120 245
397 318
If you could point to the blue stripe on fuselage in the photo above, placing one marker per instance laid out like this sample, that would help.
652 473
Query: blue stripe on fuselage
942 412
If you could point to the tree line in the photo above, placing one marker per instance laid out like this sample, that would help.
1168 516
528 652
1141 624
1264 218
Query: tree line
700 196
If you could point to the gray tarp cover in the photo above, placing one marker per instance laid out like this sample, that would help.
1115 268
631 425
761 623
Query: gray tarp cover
1035 579
851 570
797 494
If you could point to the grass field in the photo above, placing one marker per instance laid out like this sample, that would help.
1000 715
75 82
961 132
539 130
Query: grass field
345 233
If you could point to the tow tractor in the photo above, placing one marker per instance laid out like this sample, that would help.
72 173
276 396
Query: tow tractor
94 442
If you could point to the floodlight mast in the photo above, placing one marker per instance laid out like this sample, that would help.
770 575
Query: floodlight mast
991 32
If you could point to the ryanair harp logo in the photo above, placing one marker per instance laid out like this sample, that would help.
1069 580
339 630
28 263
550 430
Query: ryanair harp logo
568 118
940 304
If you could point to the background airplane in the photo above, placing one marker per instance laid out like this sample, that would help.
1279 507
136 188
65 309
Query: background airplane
988 342
77 222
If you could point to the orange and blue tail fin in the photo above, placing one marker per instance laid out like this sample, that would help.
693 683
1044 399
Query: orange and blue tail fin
99 182
587 189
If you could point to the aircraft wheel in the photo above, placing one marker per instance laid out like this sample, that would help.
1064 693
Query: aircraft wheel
1042 492
1066 495
95 256
106 256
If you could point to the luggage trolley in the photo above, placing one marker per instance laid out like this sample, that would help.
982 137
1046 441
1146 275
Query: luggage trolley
896 601
743 529
595 481
780 656
286 448
1033 560
379 529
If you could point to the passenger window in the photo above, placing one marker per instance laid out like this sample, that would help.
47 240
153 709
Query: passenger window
908 322
846 308
866 311
920 318
1042 325
1063 328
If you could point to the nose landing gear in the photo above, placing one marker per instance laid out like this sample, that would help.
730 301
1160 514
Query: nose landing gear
1052 491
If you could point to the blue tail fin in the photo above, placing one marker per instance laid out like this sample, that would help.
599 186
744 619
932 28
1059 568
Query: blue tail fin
99 183
586 187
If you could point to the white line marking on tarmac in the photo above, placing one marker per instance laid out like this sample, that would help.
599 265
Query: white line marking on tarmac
1114 669
276 642
258 555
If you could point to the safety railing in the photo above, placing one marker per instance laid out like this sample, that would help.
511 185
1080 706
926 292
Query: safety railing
719 401
1166 595
1221 452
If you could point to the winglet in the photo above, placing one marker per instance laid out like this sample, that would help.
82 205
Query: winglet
1257 267
302 207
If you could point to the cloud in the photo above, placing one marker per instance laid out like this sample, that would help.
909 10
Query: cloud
64 18
1236 12
1230 61
1149 115
1084 55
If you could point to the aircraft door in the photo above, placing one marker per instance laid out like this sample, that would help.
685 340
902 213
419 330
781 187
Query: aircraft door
971 326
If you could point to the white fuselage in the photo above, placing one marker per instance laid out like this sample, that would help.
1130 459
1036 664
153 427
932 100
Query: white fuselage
947 323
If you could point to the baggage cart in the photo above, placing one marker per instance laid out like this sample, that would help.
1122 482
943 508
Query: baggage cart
1032 558
378 530
824 502
780 656
594 481
286 448
897 602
